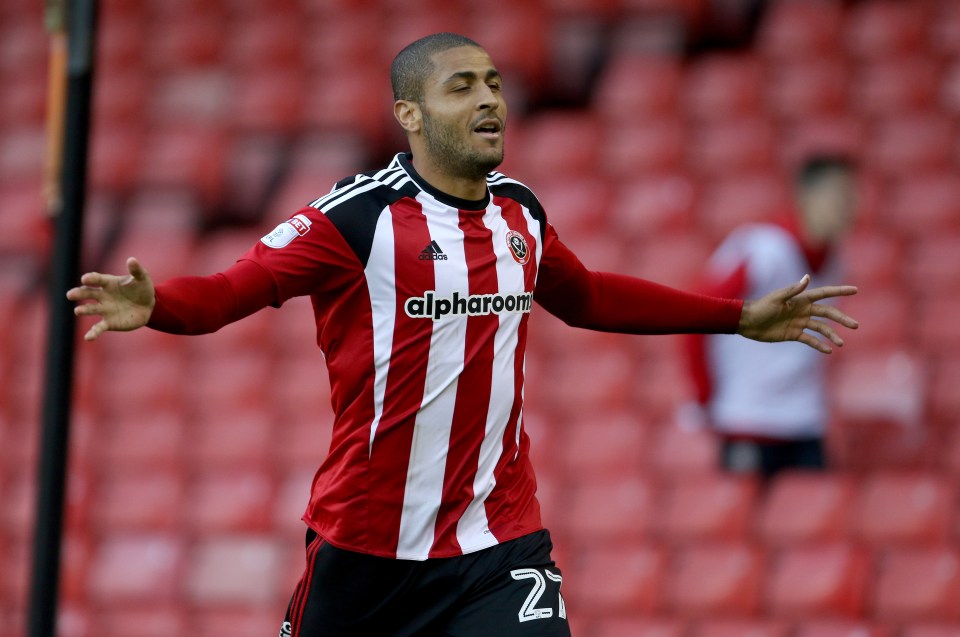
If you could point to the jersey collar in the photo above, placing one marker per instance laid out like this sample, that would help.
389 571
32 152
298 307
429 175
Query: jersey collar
405 160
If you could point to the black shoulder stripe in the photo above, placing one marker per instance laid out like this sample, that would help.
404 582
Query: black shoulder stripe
355 210
524 196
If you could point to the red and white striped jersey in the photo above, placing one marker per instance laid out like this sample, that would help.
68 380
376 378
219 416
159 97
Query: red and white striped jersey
421 303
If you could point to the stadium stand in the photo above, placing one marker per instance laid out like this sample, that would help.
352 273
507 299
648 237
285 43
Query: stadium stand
213 120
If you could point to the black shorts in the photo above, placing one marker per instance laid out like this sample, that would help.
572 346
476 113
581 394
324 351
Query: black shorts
509 590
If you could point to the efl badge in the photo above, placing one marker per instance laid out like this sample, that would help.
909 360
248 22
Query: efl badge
518 247
287 231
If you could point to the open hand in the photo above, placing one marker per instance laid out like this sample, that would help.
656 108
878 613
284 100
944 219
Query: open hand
787 314
123 303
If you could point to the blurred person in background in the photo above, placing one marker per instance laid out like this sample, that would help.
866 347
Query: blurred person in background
423 518
769 407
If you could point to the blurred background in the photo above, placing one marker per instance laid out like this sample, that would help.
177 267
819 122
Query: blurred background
649 128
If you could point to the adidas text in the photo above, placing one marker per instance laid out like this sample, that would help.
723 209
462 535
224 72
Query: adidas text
432 253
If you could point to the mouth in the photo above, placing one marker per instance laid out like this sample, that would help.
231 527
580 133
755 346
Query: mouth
489 129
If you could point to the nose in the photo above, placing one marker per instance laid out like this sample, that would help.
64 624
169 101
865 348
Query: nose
488 99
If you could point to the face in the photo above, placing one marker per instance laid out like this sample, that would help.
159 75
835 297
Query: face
828 205
464 113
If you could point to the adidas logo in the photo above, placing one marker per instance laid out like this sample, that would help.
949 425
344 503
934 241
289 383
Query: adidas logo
432 253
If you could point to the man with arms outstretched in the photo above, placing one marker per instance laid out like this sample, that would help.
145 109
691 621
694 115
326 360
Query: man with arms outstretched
423 518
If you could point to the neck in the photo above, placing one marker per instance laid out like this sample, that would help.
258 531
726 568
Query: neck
460 187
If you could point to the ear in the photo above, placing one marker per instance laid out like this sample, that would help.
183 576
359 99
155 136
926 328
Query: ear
409 115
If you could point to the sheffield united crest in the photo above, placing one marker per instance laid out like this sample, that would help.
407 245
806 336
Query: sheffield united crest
518 247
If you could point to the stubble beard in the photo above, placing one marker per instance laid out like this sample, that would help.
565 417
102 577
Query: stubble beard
452 152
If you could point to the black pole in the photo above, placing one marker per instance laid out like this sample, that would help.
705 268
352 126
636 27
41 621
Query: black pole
64 272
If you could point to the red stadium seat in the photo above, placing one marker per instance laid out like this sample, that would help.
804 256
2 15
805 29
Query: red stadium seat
715 581
615 580
811 581
733 200
576 205
912 143
136 568
636 627
267 41
144 384
356 105
290 500
939 331
884 30
822 134
188 157
741 628
815 88
607 509
522 46
931 630
719 87
680 452
944 398
945 29
932 265
558 144
881 386
873 259
116 156
186 42
892 87
651 206
227 432
137 500
241 570
611 444
918 584
229 501
636 149
841 628
269 101
904 508
340 37
717 508
732 146
634 88
237 622
149 621
800 30
892 303
233 375
805 507
23 102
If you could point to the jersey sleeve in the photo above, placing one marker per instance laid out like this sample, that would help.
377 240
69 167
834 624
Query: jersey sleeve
610 302
305 255
302 256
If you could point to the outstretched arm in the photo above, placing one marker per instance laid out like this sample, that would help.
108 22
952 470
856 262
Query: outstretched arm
787 314
123 303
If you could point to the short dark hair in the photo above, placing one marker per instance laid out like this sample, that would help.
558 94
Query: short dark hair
412 66
815 167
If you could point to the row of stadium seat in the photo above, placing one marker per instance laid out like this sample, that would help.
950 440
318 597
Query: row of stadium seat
616 581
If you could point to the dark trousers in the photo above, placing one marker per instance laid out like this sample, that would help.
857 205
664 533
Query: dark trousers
766 458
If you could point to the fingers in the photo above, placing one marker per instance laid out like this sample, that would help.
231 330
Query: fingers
83 293
94 332
793 290
832 313
135 269
830 291
826 330
814 342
